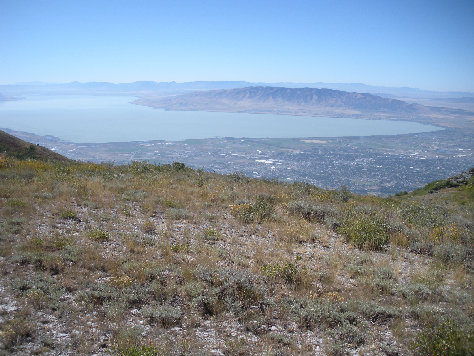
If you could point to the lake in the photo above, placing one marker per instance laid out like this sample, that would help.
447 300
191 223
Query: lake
100 119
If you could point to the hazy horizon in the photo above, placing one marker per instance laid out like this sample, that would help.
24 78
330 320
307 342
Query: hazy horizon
234 81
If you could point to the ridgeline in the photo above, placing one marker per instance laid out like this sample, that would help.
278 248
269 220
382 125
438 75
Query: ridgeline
310 102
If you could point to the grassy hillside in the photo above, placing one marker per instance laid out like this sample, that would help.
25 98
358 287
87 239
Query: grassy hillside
165 260
18 148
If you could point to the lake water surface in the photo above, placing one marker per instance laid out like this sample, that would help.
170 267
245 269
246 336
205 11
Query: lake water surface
102 119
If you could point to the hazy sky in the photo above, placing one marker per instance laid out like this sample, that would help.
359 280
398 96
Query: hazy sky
425 44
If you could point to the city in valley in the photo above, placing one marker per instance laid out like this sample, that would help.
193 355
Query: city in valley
379 165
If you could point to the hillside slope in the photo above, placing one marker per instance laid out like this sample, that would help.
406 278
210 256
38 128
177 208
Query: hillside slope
165 260
15 147
311 102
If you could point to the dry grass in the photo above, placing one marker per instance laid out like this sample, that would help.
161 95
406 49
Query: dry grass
151 260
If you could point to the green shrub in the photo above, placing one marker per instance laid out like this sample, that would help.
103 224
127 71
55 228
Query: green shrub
140 167
43 292
262 209
98 294
435 186
68 214
365 231
281 339
343 194
11 226
380 280
129 342
142 350
180 247
349 334
343 324
15 203
209 303
211 235
99 235
243 212
289 272
374 312
444 339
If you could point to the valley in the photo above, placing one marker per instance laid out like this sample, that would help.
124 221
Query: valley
379 165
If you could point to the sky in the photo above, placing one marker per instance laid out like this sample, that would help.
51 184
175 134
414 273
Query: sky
422 44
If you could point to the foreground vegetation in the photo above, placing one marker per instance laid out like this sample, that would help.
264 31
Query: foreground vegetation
165 260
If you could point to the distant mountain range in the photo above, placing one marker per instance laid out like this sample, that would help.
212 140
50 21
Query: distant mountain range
310 102
106 88
6 98
141 87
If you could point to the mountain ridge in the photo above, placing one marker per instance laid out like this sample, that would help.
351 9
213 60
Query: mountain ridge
147 86
310 102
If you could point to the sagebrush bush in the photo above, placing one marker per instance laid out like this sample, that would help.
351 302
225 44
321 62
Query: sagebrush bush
166 315
419 214
450 253
262 209
148 227
178 213
308 210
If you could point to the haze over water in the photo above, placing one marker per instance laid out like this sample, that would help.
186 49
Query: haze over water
100 119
